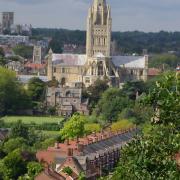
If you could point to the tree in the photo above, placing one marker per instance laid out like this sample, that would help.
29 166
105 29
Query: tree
165 100
19 130
13 144
95 91
74 128
151 156
167 61
13 165
34 168
24 51
113 101
134 88
2 58
12 95
36 88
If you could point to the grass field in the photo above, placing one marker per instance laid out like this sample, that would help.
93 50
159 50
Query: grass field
32 119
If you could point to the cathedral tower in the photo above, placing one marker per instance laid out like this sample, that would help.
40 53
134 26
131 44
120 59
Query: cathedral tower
99 25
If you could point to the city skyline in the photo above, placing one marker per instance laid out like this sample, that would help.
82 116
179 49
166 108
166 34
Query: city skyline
71 14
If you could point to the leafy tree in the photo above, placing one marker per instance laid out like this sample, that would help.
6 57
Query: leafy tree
34 168
13 165
95 91
36 88
24 51
19 130
113 101
167 61
12 95
74 128
150 157
13 144
134 89
165 99
55 45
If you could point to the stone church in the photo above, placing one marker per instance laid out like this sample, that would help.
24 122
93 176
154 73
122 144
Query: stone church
97 63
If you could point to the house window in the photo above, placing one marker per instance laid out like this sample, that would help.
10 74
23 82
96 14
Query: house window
54 70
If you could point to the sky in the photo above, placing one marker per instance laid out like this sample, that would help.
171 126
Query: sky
128 15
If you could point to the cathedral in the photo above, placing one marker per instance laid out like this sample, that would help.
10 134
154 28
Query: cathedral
97 63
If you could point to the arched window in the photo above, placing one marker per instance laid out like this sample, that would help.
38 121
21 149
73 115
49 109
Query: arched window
63 81
100 69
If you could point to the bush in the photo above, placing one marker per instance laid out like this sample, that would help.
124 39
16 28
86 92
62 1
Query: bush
121 125
93 127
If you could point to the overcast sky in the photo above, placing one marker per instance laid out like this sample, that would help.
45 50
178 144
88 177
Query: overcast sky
128 15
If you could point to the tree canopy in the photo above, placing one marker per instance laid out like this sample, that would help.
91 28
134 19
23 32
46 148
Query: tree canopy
74 128
152 156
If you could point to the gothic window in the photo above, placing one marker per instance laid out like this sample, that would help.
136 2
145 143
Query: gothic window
87 80
141 73
100 69
93 72
63 70
54 70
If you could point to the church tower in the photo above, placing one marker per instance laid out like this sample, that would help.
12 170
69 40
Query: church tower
99 25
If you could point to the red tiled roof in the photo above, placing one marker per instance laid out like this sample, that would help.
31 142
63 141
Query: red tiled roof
35 66
153 71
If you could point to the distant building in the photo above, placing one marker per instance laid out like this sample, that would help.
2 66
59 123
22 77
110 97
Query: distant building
7 21
37 55
98 62
67 100
13 40
94 155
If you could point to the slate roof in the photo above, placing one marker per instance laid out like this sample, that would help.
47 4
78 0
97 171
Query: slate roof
129 61
69 59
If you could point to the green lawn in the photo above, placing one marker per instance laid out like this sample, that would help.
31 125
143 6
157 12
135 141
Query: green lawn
32 119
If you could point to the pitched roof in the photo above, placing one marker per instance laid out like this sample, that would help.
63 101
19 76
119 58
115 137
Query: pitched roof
129 61
69 59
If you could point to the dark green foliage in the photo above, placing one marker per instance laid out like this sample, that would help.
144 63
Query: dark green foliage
36 89
152 156
95 91
19 130
1 52
13 97
113 101
164 61
24 51
14 143
13 165
128 42
34 168
165 100
68 170
134 88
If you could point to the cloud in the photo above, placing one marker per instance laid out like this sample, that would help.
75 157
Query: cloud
147 15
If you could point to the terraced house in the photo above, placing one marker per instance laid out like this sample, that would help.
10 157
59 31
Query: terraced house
94 155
